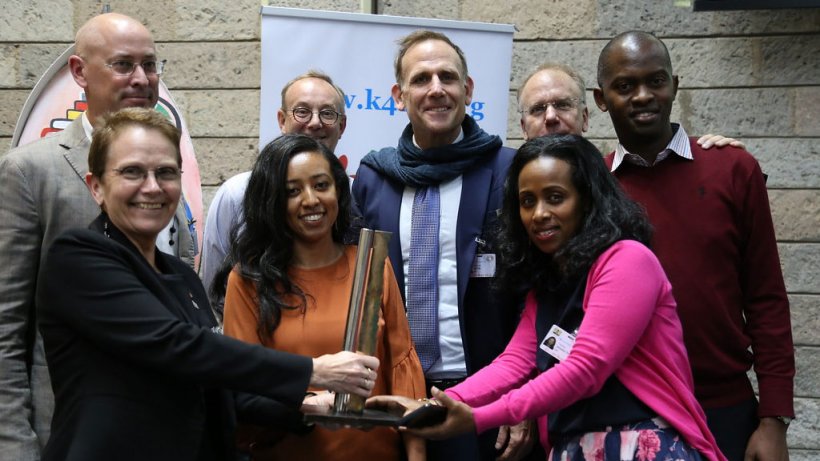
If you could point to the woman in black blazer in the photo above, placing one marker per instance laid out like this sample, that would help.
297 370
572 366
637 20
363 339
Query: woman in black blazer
138 366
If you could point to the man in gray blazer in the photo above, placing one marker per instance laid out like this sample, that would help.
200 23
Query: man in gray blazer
43 193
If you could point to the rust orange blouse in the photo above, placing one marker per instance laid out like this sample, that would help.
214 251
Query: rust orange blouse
319 329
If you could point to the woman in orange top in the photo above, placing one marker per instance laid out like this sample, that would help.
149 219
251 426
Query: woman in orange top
290 288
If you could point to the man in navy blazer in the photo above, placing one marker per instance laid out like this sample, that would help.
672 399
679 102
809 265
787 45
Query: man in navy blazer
444 150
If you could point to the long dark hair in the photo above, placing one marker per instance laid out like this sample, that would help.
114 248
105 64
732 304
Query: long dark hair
262 242
609 216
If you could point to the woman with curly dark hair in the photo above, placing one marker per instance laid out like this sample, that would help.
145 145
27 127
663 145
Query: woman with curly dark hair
598 354
608 216
290 287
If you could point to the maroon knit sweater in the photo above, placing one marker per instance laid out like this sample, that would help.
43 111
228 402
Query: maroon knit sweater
715 239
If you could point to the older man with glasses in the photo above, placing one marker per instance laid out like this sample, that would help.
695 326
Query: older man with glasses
552 100
311 105
42 193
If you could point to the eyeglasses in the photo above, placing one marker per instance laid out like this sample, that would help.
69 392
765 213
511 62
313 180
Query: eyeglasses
561 105
162 174
126 68
328 117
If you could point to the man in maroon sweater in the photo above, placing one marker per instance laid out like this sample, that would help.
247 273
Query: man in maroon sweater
715 238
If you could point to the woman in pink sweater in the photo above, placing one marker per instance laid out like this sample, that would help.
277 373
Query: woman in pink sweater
598 355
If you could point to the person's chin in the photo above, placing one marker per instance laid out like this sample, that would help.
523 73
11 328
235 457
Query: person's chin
442 126
547 248
649 131
143 227
138 102
558 130
649 122
152 217
312 236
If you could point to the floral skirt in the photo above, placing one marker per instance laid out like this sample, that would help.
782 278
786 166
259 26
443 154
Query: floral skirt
649 440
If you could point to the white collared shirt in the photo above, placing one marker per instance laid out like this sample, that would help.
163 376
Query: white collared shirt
452 363
678 145
87 126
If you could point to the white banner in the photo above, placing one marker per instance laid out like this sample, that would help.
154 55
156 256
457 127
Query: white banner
357 51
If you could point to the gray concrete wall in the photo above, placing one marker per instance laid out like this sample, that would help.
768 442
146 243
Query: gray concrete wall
748 74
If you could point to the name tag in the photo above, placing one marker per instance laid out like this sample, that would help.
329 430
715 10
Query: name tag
483 265
558 342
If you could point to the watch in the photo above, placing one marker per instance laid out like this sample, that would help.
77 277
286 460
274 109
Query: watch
786 420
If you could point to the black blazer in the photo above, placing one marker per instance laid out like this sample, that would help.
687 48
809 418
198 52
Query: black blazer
137 370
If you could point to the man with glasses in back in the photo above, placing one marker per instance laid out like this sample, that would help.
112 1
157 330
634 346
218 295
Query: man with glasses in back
552 100
311 105
42 193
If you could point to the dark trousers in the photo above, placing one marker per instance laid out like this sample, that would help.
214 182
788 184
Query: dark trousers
466 447
732 427
470 447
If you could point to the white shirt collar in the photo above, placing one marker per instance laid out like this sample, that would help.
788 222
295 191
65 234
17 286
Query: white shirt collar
679 145
87 126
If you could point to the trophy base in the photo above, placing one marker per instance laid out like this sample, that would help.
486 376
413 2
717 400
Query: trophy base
324 416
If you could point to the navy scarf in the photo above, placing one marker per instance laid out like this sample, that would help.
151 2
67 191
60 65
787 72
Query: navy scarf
414 167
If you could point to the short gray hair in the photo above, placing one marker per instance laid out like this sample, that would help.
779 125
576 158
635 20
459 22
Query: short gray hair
572 73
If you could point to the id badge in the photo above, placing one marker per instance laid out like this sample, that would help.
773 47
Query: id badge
558 342
483 265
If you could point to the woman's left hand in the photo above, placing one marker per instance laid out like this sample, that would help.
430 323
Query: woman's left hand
459 419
